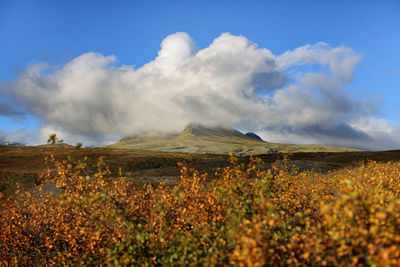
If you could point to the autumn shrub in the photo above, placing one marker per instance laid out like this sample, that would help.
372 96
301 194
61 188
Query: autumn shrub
243 215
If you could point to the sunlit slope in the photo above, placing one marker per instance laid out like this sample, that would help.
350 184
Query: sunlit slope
216 140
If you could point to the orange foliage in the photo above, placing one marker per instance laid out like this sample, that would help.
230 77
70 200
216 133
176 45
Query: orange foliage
245 216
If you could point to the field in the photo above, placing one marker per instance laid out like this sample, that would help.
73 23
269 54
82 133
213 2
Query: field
123 207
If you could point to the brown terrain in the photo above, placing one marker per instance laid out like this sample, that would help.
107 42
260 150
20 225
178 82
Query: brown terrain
23 164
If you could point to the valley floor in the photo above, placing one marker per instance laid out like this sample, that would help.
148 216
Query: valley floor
23 164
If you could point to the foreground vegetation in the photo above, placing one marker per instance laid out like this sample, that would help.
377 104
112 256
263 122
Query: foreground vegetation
243 215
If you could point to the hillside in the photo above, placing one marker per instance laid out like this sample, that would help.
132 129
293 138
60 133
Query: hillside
215 140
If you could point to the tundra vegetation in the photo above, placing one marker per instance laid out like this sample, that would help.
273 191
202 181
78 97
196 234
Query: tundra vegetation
241 215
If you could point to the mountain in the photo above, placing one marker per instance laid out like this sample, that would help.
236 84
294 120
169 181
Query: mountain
216 140
12 143
253 135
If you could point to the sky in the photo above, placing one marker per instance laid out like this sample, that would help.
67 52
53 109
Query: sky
321 72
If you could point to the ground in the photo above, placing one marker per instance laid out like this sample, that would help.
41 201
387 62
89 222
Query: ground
23 164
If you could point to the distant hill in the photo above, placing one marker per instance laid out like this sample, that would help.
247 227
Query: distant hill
215 140
12 143
55 145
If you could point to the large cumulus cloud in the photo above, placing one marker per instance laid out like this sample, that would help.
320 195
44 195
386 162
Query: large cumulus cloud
299 96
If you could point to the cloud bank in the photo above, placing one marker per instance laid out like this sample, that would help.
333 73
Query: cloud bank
300 96
19 136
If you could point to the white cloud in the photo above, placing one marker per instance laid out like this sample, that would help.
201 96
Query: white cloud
231 82
341 60
384 135
19 136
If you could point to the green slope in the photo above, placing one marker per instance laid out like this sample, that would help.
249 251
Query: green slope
215 140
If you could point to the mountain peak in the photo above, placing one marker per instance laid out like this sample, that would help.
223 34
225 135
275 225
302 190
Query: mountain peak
203 131
253 135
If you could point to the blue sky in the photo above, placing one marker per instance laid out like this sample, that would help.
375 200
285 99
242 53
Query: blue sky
56 32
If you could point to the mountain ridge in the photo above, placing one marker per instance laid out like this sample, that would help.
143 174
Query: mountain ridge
196 138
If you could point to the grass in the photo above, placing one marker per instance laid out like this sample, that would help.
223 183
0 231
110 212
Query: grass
216 140
23 164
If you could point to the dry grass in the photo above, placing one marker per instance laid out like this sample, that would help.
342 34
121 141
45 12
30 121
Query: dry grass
23 164
246 215
217 140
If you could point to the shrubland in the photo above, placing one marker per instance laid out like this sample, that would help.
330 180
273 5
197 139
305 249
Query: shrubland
243 215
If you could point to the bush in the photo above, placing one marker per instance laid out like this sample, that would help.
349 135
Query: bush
245 216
